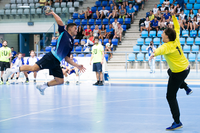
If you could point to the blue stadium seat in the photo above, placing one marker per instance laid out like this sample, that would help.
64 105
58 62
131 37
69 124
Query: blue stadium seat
189 41
140 57
105 21
185 33
106 56
147 41
120 20
197 41
146 57
91 21
195 11
78 21
78 49
98 3
69 21
107 26
156 41
105 41
110 2
136 49
186 1
82 16
158 58
195 49
192 57
124 28
182 41
88 55
198 1
140 41
104 3
84 22
98 21
163 58
193 33
160 33
186 55
74 55
198 57
80 55
85 40
127 21
131 57
99 8
186 49
84 27
191 1
76 41
48 49
171 1
112 20
53 42
75 15
143 49
100 26
186 12
94 16
107 8
85 48
93 9
144 34
115 42
152 34
189 6
92 27
161 1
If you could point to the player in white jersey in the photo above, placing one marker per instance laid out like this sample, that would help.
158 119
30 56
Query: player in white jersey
31 61
17 62
69 69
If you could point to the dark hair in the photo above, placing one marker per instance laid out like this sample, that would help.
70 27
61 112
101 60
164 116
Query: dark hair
96 37
70 25
32 51
19 53
12 47
4 41
171 33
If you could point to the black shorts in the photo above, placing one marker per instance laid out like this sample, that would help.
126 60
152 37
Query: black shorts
97 67
4 65
49 61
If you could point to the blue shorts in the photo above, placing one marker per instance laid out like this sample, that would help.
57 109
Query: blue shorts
97 67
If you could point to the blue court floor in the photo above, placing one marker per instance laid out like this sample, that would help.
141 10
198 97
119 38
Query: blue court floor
131 102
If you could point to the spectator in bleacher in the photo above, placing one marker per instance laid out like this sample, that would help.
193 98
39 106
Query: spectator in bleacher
195 23
162 9
96 31
150 50
117 2
88 13
48 3
131 2
183 16
115 23
180 21
181 3
42 3
179 9
109 32
114 13
130 13
171 23
118 32
109 47
14 53
162 24
167 4
140 3
167 14
151 15
154 24
188 23
146 25
159 16
102 13
63 1
171 8
87 32
80 33
102 32
198 15
122 12
155 9
90 40
98 59
191 14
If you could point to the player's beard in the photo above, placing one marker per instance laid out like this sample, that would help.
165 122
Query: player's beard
4 46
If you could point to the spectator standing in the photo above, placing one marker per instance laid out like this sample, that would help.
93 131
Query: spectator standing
14 53
130 13
150 50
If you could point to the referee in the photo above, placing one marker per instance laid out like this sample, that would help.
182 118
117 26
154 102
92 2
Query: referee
178 68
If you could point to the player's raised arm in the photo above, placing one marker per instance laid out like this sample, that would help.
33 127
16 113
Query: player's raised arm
57 18
175 21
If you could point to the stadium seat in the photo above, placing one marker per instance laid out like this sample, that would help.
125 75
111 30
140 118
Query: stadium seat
57 4
13 12
91 21
84 27
186 12
93 9
105 41
7 6
71 10
98 21
19 1
74 55
107 26
198 1
156 41
36 1
13 6
131 57
189 6
30 1
186 1
185 33
106 57
38 11
100 26
136 49
186 49
197 41
107 8
161 1
63 4
84 21
144 34
146 57
92 27
53 42
198 57
85 48
127 21
140 41
76 41
160 34
32 11
77 21
58 10
78 49
112 20
94 16
37 5
120 20
158 58
70 21
143 49
163 58
140 57
147 41
189 41
152 34
182 41
193 33
104 3
12 1
105 21
88 55
82 16
48 49
124 28
69 4
98 3
186 55
85 40
195 12
75 15
115 42
191 1
80 55
195 49
192 57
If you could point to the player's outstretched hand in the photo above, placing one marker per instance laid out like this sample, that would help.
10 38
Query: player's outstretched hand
81 68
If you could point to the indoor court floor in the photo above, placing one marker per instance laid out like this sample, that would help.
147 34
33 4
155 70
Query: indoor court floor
131 102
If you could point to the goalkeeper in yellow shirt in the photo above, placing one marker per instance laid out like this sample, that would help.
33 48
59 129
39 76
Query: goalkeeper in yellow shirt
178 68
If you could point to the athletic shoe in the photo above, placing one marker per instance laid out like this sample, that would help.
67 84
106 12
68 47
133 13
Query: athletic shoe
67 82
1 83
189 91
41 88
77 83
26 81
174 126
97 83
34 81
8 72
7 83
100 83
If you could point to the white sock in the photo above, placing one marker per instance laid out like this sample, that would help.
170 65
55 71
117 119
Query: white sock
34 78
66 78
44 86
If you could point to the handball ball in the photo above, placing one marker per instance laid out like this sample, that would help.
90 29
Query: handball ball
47 9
